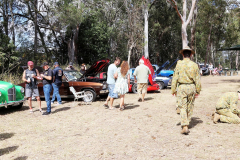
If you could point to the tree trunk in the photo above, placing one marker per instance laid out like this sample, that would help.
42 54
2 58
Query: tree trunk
237 63
35 30
72 46
146 54
5 17
12 23
129 53
208 46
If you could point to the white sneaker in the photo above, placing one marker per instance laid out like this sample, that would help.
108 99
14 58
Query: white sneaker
30 110
40 110
58 104
52 103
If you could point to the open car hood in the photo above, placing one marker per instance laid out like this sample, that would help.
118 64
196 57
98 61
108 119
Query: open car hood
96 68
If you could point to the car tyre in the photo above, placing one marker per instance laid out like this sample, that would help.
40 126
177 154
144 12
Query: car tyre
161 85
91 95
134 88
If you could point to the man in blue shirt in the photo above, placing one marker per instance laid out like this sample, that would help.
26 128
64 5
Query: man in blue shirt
111 83
57 82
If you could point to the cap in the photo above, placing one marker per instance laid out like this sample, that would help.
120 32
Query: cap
55 63
30 63
187 48
70 63
44 64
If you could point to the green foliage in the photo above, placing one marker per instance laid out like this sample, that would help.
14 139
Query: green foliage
93 40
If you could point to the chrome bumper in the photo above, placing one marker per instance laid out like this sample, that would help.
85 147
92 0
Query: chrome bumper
12 103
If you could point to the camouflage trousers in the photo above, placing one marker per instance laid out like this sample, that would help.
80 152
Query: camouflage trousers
228 117
185 102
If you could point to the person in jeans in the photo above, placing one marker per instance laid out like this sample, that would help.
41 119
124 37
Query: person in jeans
141 72
31 90
111 83
57 82
47 85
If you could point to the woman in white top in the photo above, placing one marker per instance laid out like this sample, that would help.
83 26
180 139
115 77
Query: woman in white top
210 67
122 83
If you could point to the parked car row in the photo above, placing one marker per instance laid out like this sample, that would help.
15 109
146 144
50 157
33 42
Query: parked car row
93 82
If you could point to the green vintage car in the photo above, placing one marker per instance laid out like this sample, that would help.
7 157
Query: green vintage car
11 95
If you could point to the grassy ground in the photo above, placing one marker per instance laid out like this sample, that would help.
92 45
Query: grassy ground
145 130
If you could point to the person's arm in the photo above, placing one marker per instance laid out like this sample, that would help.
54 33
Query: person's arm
24 76
128 78
135 74
48 77
115 75
197 82
175 80
54 74
233 105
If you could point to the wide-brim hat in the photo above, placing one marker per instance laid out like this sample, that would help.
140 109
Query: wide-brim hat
187 48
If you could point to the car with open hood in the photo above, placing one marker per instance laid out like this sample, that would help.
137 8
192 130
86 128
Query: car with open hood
11 95
90 82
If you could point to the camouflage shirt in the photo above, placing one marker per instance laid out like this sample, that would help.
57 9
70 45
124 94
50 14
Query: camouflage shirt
186 72
228 100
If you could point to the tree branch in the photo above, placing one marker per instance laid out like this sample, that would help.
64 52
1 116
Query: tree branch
174 5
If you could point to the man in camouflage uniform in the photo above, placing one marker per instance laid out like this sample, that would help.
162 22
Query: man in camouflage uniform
186 85
226 108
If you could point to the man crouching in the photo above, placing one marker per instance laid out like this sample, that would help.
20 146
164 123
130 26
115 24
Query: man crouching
226 108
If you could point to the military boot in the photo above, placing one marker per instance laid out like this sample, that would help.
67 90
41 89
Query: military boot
216 118
185 130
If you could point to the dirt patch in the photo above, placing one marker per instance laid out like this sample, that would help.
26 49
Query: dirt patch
145 130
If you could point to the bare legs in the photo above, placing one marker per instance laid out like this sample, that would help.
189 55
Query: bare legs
111 103
106 102
38 101
122 102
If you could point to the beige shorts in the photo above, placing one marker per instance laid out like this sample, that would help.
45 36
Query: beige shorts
142 88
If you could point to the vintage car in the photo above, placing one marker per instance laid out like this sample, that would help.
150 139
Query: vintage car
89 82
11 95
152 86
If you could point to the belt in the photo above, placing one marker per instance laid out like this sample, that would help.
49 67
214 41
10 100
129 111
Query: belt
185 83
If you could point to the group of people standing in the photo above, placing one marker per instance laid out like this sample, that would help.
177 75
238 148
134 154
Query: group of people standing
118 80
50 79
215 71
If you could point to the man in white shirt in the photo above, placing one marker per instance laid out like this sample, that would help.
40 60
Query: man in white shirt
141 72
111 83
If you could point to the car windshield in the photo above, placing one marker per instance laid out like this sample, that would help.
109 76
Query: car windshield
72 75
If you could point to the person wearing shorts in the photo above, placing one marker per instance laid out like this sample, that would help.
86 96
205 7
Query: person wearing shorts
31 89
111 83
141 74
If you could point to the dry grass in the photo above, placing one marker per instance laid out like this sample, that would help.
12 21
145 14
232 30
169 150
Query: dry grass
148 130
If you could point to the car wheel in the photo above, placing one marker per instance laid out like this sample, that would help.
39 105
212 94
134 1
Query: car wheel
161 85
19 106
91 95
134 88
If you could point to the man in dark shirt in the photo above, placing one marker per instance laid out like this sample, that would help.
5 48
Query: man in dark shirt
47 85
57 82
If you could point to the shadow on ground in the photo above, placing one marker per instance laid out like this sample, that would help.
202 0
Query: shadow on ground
9 110
131 106
21 158
230 80
61 109
148 98
195 121
4 136
7 150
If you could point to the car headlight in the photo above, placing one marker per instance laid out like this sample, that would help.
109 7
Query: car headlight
104 86
22 90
